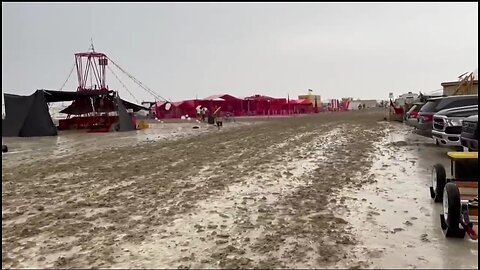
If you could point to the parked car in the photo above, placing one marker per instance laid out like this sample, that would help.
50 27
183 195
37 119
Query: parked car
434 105
412 113
447 125
469 135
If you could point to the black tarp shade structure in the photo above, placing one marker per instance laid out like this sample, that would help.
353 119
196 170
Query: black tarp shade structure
123 117
58 96
28 116
103 100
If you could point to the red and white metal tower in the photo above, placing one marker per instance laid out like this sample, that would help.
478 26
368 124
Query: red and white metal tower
91 70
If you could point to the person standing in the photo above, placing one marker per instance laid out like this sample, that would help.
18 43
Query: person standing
204 113
199 112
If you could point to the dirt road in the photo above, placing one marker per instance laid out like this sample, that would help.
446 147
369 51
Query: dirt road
264 195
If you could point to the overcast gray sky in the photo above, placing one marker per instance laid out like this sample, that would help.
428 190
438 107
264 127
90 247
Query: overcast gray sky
184 50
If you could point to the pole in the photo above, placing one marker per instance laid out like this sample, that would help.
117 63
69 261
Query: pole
390 110
288 103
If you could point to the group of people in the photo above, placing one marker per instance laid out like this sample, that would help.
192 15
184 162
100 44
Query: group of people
215 117
201 112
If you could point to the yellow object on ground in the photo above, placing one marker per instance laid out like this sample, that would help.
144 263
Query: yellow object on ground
142 125
462 155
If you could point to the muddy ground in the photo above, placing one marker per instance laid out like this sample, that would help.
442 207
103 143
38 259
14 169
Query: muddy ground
318 191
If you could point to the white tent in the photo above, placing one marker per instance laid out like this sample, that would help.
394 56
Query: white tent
371 103
353 105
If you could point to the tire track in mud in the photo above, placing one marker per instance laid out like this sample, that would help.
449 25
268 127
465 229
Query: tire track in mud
180 243
306 233
136 198
215 222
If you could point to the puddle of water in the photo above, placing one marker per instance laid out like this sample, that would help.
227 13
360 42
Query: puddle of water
27 149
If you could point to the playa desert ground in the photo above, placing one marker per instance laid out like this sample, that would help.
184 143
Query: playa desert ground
333 190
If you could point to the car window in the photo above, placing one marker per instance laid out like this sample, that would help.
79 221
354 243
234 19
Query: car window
464 113
447 104
430 106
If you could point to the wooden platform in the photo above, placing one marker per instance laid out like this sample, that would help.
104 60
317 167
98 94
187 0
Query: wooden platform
462 155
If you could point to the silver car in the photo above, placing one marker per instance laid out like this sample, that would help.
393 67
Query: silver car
447 125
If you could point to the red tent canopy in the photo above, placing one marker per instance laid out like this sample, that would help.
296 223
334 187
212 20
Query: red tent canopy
227 103
252 105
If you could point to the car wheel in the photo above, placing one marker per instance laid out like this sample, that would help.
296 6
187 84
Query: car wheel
452 210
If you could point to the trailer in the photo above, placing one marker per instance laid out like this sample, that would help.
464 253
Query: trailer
458 193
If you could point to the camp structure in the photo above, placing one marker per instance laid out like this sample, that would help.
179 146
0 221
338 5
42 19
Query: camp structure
264 105
256 105
28 116
356 104
226 103
168 110
94 106
97 111
301 106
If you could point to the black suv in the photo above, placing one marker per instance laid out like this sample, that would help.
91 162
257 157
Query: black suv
469 135
434 105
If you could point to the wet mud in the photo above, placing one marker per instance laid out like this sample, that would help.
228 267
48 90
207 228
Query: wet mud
301 192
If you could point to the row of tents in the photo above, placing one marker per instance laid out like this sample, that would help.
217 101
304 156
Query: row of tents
256 105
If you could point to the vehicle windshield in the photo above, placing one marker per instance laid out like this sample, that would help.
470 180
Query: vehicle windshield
457 102
465 113
430 106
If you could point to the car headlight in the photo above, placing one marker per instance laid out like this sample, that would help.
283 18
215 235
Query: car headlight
454 122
